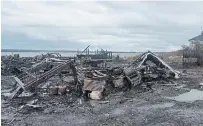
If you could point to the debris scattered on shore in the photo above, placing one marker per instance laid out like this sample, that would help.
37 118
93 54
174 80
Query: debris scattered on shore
89 80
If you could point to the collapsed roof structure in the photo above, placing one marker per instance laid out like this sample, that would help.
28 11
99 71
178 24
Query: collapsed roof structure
150 59
148 68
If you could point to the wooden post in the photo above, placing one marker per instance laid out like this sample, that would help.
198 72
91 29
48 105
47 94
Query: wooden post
88 52
183 59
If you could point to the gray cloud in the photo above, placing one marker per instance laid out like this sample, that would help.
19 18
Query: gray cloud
123 26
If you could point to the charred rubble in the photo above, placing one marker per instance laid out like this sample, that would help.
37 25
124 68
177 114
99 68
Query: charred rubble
150 68
90 79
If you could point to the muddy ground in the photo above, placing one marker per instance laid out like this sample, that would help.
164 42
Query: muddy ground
159 107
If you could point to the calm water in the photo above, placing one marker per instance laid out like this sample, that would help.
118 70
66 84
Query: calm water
191 96
31 54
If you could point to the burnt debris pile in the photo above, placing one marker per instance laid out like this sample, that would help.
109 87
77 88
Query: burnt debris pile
89 78
150 68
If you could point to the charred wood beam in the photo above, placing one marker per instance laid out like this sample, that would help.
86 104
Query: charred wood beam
47 75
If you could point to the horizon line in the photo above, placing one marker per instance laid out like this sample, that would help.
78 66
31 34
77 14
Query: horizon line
50 50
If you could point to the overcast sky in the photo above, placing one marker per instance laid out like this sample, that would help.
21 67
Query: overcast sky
117 26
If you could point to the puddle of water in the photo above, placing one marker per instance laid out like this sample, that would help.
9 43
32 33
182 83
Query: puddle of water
191 96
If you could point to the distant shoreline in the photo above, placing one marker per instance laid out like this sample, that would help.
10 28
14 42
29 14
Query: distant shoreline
64 51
